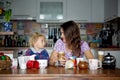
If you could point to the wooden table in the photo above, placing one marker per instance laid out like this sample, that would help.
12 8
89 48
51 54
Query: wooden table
59 73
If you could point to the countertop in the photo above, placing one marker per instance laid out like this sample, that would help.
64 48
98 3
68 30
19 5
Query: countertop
22 48
107 49
60 73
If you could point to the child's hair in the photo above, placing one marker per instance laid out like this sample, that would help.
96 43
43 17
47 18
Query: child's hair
34 37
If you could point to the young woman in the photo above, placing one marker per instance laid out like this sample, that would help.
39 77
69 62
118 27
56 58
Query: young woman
70 43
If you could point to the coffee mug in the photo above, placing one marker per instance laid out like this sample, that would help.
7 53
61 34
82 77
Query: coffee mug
22 61
93 64
43 63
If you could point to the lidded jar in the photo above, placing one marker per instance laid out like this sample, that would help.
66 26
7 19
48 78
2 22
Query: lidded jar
83 65
109 62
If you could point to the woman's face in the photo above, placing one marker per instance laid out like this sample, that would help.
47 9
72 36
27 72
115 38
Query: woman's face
62 35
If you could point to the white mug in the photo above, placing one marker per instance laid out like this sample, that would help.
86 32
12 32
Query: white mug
22 61
93 64
43 63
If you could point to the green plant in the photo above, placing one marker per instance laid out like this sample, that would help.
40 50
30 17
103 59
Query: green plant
8 14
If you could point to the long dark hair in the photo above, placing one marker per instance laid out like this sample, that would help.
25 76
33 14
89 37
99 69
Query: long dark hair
72 36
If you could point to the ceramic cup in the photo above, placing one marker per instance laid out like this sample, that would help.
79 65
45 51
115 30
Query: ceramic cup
93 64
23 61
100 57
43 63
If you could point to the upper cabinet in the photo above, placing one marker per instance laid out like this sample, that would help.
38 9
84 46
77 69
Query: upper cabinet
51 10
85 10
23 9
97 11
119 8
79 10
54 11
111 9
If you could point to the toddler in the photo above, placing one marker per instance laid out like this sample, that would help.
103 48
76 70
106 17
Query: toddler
37 44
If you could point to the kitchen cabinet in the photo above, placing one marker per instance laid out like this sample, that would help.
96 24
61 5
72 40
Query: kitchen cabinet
97 11
111 9
23 9
79 10
85 10
54 11
119 8
51 10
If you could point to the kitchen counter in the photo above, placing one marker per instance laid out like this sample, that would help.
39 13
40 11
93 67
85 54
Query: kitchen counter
107 49
23 48
59 73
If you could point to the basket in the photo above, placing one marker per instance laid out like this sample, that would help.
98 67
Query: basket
4 64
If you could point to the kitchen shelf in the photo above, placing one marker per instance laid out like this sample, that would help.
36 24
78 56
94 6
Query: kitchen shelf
8 51
6 33
12 48
18 48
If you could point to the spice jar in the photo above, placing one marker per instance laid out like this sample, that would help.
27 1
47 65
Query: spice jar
83 65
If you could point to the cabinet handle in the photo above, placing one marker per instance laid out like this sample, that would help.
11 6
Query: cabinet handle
80 20
24 17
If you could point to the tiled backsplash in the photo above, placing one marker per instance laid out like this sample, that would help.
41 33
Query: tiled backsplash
89 31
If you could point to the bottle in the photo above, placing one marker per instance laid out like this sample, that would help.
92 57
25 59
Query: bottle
15 41
20 53
6 41
0 41
110 34
12 41
18 42
3 43
24 43
9 41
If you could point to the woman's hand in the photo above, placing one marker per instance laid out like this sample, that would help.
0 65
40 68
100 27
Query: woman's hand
53 58
62 61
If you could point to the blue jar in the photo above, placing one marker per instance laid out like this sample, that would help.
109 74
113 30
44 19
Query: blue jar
7 26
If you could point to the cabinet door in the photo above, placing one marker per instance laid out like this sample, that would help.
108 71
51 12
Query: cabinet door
23 9
118 8
51 10
111 9
97 11
79 10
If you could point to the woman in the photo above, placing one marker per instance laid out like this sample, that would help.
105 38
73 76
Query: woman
70 43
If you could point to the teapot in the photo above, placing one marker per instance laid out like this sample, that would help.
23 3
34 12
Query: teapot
109 62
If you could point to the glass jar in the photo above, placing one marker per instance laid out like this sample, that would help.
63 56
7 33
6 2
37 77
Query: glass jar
83 65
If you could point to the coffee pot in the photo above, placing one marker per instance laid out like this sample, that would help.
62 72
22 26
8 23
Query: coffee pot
109 62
